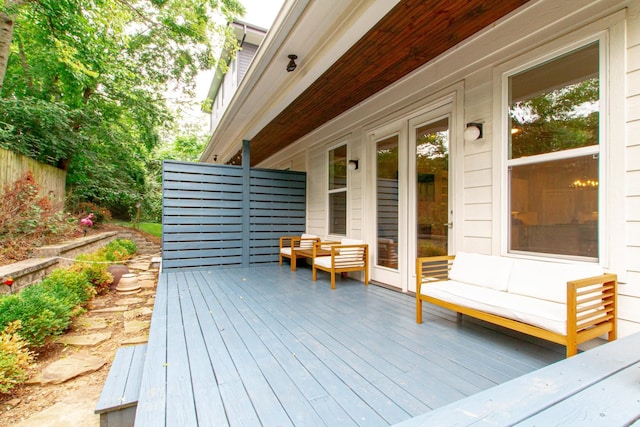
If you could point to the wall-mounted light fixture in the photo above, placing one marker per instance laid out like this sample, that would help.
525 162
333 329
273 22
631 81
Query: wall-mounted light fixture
215 157
292 63
352 165
473 132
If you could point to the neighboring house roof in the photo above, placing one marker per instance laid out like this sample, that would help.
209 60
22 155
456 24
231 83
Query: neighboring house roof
245 33
347 50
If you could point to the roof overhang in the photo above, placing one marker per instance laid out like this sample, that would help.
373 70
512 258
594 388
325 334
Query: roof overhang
347 51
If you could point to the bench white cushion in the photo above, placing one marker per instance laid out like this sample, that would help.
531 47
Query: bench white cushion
286 251
538 312
547 280
481 270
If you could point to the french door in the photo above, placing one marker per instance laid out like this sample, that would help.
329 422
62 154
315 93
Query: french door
413 216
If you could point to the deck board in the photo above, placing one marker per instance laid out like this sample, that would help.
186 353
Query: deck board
267 346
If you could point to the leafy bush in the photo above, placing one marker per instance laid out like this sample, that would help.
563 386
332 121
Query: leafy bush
15 357
94 267
29 219
119 250
47 308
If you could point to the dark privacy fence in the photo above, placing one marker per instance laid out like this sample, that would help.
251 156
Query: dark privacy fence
225 216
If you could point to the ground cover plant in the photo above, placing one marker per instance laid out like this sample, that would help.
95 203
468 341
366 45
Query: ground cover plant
31 318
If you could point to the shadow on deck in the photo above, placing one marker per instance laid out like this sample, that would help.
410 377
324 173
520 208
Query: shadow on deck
267 346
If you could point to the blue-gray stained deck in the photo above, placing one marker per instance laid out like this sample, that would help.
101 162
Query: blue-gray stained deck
267 346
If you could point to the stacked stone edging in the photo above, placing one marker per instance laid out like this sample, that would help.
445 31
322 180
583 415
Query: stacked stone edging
47 258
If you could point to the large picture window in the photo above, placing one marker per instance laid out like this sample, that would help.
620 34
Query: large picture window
553 156
338 190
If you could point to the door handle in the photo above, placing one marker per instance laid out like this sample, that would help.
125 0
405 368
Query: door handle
449 224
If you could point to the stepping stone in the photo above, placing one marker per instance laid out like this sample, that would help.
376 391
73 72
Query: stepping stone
138 266
129 301
85 340
90 323
99 303
111 309
147 284
140 339
135 326
62 370
76 409
138 312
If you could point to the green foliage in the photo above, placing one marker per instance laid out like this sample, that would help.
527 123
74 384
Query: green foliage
557 120
39 129
128 245
84 84
94 268
154 229
46 309
15 357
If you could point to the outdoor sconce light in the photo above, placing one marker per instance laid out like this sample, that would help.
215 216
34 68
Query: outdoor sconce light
215 157
352 165
292 63
473 132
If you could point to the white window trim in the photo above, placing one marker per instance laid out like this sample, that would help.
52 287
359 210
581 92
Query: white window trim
345 190
610 32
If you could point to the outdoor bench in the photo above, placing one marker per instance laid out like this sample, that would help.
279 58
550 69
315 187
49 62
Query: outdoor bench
119 397
563 303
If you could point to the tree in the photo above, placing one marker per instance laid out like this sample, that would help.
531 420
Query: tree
85 82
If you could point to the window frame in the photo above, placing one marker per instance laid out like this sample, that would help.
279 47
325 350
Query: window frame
610 33
330 191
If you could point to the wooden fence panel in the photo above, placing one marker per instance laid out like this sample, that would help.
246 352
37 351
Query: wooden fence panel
52 180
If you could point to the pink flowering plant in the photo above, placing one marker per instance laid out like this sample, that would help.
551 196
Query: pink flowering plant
86 222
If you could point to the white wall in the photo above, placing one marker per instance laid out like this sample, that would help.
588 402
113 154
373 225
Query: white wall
475 66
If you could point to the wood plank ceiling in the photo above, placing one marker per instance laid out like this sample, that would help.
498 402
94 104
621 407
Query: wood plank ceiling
410 35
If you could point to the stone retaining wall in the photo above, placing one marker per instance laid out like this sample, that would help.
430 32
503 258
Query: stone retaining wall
47 258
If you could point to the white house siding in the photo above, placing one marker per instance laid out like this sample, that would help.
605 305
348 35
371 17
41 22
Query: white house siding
472 68
629 297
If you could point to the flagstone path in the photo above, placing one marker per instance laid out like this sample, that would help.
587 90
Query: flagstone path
65 388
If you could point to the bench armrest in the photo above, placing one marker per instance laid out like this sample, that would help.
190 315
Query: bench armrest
432 269
591 302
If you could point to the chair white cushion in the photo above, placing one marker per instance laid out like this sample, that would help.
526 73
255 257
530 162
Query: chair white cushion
481 270
307 244
547 280
342 261
545 314
286 251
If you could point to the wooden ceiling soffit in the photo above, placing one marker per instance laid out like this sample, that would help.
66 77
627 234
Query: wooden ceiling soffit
410 35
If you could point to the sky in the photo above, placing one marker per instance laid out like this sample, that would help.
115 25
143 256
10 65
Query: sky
258 12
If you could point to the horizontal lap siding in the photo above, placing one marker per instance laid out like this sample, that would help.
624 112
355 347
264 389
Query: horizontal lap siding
203 208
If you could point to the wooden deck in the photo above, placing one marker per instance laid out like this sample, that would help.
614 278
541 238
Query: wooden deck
267 346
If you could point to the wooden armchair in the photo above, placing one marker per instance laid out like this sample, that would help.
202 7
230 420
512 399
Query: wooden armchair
290 244
349 255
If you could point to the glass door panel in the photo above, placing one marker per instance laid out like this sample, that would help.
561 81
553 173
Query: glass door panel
387 202
432 188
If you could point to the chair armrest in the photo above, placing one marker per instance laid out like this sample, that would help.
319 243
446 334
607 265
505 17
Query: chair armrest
289 239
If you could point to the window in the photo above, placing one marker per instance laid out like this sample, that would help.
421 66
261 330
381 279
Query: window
338 190
553 156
